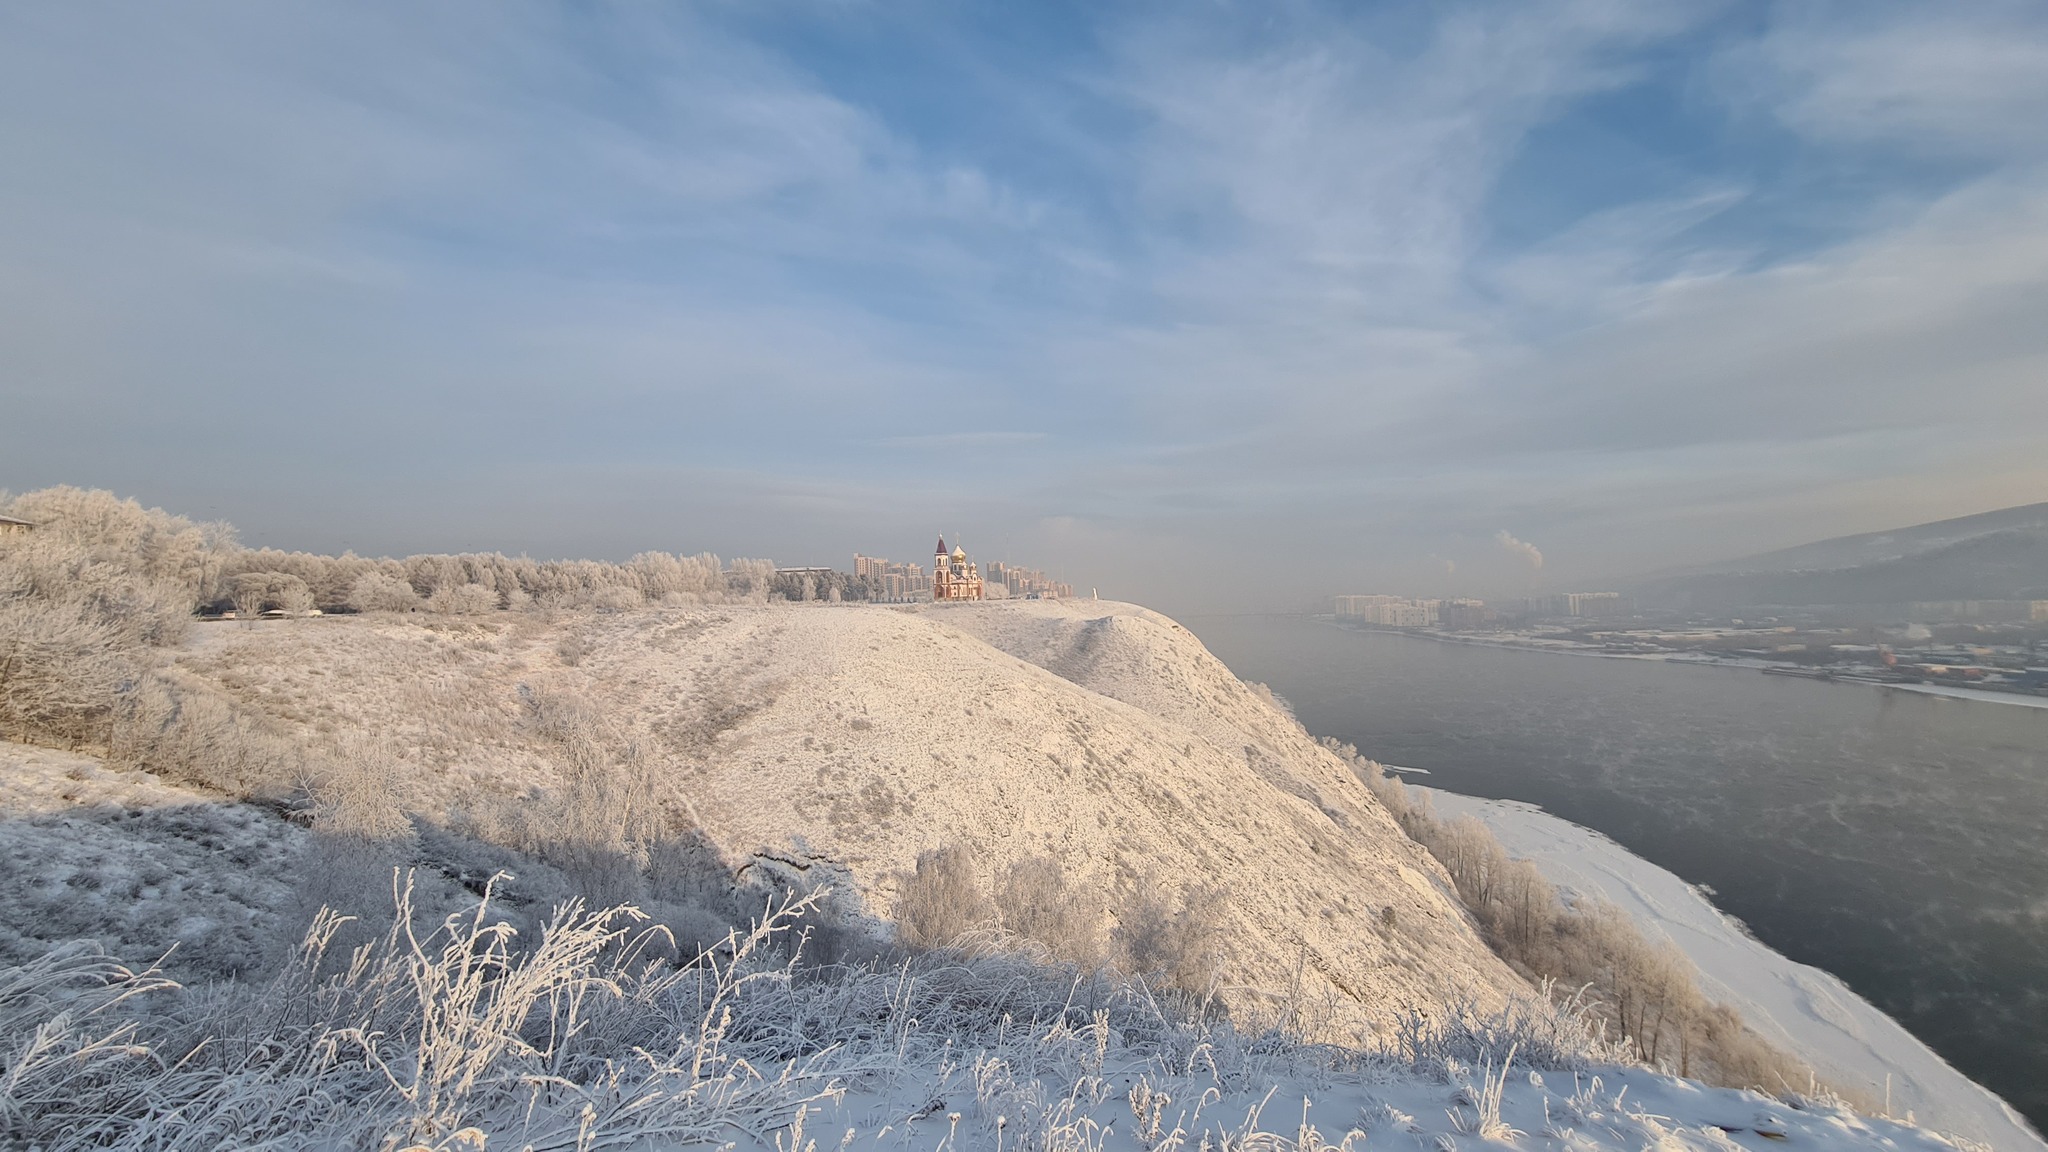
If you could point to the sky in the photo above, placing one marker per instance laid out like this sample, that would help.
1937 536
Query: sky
1212 306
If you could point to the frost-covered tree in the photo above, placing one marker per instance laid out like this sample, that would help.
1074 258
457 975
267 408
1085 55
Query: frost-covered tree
379 592
463 600
292 594
251 592
85 598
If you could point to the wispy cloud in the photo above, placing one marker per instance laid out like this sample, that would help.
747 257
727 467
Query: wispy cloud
1197 281
961 440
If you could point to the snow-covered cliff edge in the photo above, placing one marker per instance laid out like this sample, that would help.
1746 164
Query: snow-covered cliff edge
1808 1012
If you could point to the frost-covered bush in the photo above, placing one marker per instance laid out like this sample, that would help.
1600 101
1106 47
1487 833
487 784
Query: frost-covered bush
617 598
1170 936
1035 902
185 730
941 900
60 667
361 831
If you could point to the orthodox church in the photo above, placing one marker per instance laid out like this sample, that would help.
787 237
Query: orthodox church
954 576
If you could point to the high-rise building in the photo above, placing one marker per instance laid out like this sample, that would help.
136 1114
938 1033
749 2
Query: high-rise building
1464 614
1388 611
889 582
1593 604
1021 583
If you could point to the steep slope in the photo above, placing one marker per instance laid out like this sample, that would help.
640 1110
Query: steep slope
1848 1040
852 737
1150 662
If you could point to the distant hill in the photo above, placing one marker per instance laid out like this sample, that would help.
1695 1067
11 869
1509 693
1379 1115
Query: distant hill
2000 555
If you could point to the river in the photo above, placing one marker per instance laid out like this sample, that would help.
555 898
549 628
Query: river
1897 840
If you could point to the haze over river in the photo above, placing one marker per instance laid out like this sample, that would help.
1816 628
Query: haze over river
1897 840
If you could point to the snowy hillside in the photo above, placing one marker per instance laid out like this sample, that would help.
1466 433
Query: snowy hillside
948 1054
523 772
1807 1011
853 737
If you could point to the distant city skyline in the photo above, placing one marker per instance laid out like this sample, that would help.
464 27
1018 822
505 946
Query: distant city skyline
1215 307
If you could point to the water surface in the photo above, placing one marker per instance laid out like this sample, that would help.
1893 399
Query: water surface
1897 840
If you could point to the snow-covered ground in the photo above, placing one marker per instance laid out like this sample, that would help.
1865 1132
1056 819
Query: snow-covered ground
1801 1008
1979 694
1611 1110
852 737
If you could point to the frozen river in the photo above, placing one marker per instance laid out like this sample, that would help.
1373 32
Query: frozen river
1899 841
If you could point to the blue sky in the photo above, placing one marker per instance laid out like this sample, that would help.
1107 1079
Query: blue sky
1211 305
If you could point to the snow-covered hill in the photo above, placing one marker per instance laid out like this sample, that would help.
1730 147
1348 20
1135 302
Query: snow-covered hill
855 736
839 740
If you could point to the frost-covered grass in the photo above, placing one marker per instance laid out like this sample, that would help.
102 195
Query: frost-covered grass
437 1036
461 1035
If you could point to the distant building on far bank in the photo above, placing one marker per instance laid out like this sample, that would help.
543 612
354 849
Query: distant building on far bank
1575 605
1462 615
1593 604
1388 611
1981 611
9 526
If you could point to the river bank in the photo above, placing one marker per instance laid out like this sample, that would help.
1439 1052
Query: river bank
1849 1041
1573 648
1890 838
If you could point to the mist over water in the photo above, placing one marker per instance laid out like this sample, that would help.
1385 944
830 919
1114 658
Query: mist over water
1897 840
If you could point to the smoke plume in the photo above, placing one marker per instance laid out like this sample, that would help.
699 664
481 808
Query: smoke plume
1522 548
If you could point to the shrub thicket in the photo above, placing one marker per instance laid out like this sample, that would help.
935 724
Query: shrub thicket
1165 936
1646 992
1170 936
86 600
